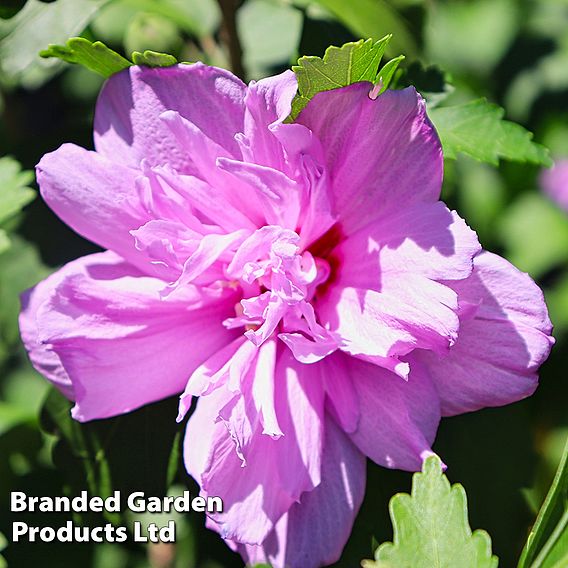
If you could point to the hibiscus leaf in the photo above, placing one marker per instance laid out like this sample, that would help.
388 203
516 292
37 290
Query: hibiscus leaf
387 73
431 529
153 59
101 59
94 56
478 130
547 544
341 66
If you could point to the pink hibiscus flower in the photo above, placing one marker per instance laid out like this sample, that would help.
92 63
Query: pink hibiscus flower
302 280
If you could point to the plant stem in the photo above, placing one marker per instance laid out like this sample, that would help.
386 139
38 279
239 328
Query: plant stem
230 35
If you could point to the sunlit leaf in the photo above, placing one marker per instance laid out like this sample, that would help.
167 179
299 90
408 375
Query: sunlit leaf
478 130
94 56
340 66
153 59
431 528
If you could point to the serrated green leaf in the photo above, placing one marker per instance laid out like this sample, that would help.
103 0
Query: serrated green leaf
341 66
478 130
547 544
431 528
94 56
14 190
153 59
101 59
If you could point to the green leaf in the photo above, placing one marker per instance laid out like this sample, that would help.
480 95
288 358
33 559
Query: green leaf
101 59
153 59
431 529
341 66
547 544
14 190
478 130
94 56
35 26
387 73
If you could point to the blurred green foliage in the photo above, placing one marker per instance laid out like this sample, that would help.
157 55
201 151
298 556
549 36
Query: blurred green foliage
514 53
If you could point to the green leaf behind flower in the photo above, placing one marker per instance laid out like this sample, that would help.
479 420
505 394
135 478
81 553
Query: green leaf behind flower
431 529
478 130
97 57
341 66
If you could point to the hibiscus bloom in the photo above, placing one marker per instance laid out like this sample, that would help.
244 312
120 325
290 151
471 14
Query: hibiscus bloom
303 280
554 182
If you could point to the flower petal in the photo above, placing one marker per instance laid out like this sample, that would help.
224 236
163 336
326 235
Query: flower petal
425 239
276 470
252 497
268 102
95 197
500 348
120 344
382 327
398 419
42 358
380 153
315 530
128 127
